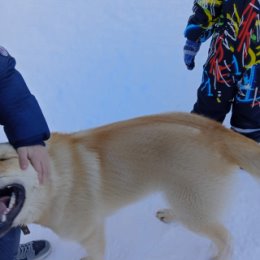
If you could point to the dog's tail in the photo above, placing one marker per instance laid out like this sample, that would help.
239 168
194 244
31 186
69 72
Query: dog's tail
244 152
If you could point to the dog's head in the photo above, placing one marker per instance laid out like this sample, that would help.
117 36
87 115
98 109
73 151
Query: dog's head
20 192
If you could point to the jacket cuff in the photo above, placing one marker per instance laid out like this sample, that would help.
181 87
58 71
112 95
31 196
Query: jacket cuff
17 145
29 142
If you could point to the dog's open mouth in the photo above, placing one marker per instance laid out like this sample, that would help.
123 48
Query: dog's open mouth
11 202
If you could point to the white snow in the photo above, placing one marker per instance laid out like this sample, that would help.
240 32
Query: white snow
94 62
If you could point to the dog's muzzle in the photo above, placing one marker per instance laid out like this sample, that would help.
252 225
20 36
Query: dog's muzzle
12 198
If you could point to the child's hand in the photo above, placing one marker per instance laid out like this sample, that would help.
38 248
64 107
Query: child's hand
38 156
191 48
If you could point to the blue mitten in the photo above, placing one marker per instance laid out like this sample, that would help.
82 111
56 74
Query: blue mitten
191 48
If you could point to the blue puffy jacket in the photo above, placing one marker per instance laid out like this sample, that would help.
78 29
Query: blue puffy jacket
20 113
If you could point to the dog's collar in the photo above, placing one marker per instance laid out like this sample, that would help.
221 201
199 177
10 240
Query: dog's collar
25 229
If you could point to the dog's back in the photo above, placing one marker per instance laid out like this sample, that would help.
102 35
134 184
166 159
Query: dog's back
189 158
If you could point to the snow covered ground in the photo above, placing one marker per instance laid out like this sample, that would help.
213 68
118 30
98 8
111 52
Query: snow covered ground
94 62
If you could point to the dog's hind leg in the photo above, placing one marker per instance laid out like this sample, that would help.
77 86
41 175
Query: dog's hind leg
201 209
219 235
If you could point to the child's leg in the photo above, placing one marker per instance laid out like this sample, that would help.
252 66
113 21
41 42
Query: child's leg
218 87
246 108
9 244
214 97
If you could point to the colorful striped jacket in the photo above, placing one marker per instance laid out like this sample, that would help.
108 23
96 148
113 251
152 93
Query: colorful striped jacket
236 22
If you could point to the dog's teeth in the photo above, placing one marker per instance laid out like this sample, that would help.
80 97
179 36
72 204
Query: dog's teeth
10 206
12 201
7 211
3 218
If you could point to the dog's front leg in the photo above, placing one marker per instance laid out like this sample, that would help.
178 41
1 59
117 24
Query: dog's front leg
95 244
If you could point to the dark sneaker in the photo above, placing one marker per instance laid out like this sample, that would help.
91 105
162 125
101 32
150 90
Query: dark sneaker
34 250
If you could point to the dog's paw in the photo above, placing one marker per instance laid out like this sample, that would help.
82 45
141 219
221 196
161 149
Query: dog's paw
165 215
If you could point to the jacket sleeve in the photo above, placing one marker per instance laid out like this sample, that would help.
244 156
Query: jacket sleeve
20 113
201 23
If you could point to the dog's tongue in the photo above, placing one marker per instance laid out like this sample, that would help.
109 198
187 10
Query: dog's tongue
3 202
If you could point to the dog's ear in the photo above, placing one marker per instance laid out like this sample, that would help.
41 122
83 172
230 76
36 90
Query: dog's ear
7 152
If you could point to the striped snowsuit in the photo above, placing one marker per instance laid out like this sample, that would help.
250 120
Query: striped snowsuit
231 75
